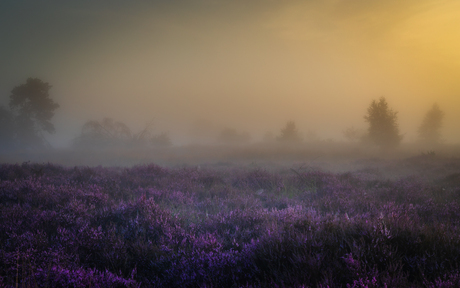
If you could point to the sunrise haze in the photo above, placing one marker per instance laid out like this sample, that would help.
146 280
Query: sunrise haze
248 65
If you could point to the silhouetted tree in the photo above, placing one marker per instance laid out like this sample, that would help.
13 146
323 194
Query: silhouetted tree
430 129
103 133
7 129
289 133
34 109
115 133
383 127
161 140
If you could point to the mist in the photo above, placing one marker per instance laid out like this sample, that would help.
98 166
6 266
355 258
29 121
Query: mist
194 68
229 143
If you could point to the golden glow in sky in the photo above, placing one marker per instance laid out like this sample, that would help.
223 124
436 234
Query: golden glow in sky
251 65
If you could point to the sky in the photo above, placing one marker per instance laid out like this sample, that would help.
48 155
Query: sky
195 67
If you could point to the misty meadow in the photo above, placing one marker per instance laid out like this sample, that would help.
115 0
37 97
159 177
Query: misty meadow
218 143
285 211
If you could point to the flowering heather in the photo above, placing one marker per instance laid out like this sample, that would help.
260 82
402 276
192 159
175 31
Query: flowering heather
149 226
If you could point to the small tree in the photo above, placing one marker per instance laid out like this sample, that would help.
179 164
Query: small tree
429 131
161 140
383 128
289 133
34 109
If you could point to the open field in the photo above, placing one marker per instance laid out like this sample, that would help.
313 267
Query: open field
230 143
366 223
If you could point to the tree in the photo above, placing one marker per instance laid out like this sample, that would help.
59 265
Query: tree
7 129
289 133
104 133
161 140
34 109
383 128
108 132
429 131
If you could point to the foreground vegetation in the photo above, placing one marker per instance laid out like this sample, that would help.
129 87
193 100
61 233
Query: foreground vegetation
149 226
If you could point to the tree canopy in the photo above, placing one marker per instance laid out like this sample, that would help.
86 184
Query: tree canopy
7 128
430 129
33 109
383 128
289 133
102 133
108 132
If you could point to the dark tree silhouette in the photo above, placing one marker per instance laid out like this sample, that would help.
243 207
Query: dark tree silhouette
161 140
7 129
115 133
103 133
34 109
289 133
430 129
383 128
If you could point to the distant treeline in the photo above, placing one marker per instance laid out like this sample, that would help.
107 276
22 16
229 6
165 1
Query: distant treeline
31 108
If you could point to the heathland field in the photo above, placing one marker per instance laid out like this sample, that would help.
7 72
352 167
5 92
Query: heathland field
231 225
